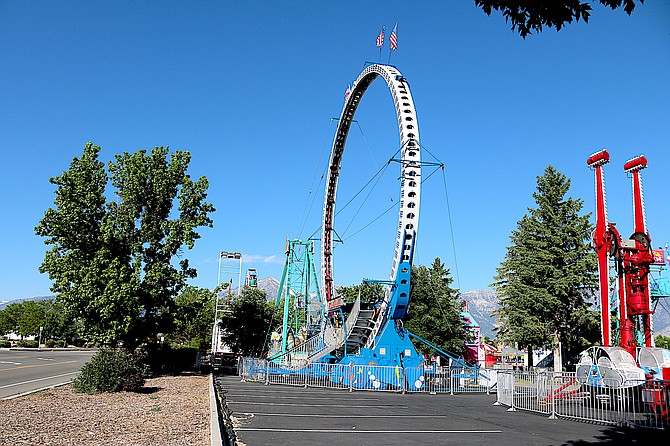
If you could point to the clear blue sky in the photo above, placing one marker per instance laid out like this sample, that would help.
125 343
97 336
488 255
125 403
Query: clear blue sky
249 88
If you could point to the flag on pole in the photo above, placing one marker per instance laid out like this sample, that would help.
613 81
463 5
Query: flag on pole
394 38
380 38
347 93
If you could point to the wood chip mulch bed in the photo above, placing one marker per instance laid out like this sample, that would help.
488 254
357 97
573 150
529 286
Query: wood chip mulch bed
169 411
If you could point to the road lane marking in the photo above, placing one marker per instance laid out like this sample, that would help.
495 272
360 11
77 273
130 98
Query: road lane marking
45 359
365 431
260 414
385 406
10 362
40 365
306 397
38 379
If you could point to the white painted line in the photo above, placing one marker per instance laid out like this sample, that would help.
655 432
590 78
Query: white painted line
34 391
346 398
38 379
363 431
10 362
385 406
45 359
307 415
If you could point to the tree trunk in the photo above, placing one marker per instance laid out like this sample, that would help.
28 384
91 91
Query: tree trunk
558 357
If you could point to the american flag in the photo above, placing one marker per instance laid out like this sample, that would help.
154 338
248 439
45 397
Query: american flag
394 38
380 38
347 93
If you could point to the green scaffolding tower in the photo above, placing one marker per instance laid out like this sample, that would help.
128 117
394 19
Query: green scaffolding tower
299 294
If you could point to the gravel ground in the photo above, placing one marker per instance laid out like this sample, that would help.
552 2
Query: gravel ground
170 411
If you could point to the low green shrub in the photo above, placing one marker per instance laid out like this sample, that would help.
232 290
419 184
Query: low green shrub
5 344
163 359
50 343
25 343
110 370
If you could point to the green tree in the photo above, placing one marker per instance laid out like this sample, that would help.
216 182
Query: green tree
194 317
246 326
370 292
31 318
57 322
527 16
549 270
111 263
434 311
662 341
9 318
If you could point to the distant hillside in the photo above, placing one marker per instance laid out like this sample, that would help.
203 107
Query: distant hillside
269 284
4 303
481 303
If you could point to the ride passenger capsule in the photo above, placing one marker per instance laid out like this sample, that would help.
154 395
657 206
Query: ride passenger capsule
599 158
635 164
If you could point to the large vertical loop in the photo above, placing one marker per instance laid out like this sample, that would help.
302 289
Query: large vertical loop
410 184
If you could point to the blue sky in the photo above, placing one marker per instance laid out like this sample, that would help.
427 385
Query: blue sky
249 88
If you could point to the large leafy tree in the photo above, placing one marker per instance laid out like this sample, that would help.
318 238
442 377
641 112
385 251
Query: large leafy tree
111 262
527 16
434 311
370 292
549 270
194 316
248 323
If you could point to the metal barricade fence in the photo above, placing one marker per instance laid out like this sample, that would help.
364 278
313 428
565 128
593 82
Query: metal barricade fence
562 394
368 377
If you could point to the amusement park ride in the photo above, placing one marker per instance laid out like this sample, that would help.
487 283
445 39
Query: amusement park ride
319 328
627 354
371 335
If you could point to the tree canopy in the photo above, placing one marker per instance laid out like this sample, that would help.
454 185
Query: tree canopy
111 262
434 311
193 318
549 270
527 16
247 325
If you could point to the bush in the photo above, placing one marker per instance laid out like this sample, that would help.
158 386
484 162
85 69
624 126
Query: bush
110 370
50 343
167 360
25 343
5 344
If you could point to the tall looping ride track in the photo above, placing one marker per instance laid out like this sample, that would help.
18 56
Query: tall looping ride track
410 185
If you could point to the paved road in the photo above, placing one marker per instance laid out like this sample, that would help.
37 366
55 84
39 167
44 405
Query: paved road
24 371
281 415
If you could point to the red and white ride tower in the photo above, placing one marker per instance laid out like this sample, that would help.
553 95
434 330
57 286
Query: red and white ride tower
636 260
602 242
632 258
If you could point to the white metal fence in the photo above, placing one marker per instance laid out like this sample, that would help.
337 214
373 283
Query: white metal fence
369 377
644 403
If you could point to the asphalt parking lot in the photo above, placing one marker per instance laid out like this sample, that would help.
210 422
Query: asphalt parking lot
282 415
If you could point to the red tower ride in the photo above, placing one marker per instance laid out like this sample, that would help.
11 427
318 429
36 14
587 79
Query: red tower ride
632 258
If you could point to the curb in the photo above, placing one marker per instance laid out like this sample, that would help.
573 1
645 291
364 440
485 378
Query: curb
18 395
214 415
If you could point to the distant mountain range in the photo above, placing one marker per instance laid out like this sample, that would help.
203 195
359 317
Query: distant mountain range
4 303
481 303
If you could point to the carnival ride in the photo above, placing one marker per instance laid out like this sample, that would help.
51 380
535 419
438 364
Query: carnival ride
370 336
633 260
